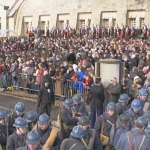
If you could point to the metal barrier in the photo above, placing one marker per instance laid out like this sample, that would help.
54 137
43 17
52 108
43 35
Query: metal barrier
32 84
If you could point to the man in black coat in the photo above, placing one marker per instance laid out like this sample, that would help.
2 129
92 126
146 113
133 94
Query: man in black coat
71 57
97 99
45 98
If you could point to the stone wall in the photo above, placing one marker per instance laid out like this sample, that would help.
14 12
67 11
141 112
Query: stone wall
95 9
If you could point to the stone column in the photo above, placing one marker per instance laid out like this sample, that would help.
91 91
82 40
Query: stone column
109 68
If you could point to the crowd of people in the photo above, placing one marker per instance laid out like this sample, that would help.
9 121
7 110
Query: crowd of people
45 66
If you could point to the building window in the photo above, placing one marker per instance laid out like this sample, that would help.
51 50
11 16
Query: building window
113 22
42 25
61 24
81 24
105 22
67 22
133 22
142 22
26 27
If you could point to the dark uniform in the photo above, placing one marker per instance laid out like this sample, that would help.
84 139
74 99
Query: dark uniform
145 103
105 122
45 98
68 116
97 100
33 138
3 129
90 137
45 134
19 112
74 142
135 138
116 132
122 104
135 106
79 107
17 140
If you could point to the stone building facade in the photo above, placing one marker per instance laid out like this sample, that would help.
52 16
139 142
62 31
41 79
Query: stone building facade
77 13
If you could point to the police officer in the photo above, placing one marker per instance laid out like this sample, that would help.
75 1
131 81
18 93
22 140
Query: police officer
32 141
75 140
19 112
4 130
17 139
135 138
147 115
49 136
79 107
122 104
96 100
45 98
105 121
145 103
135 111
123 125
90 137
68 116
31 119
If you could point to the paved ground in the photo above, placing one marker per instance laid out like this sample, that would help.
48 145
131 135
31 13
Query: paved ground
30 105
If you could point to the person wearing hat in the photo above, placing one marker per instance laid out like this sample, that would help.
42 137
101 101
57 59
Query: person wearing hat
75 140
45 98
143 98
17 139
90 137
79 107
122 104
123 125
68 116
104 122
31 119
135 111
32 142
3 128
19 112
135 138
49 136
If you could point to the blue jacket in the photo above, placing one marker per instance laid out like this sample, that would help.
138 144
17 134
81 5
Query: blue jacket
142 102
134 116
107 125
119 130
67 117
80 75
120 109
123 143
81 108
78 86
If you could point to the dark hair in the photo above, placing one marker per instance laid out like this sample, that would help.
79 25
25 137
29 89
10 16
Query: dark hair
98 80
138 126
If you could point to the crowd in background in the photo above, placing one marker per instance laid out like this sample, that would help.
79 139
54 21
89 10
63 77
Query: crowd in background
23 61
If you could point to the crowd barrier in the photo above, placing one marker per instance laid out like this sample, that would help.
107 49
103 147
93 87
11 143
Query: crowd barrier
32 84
